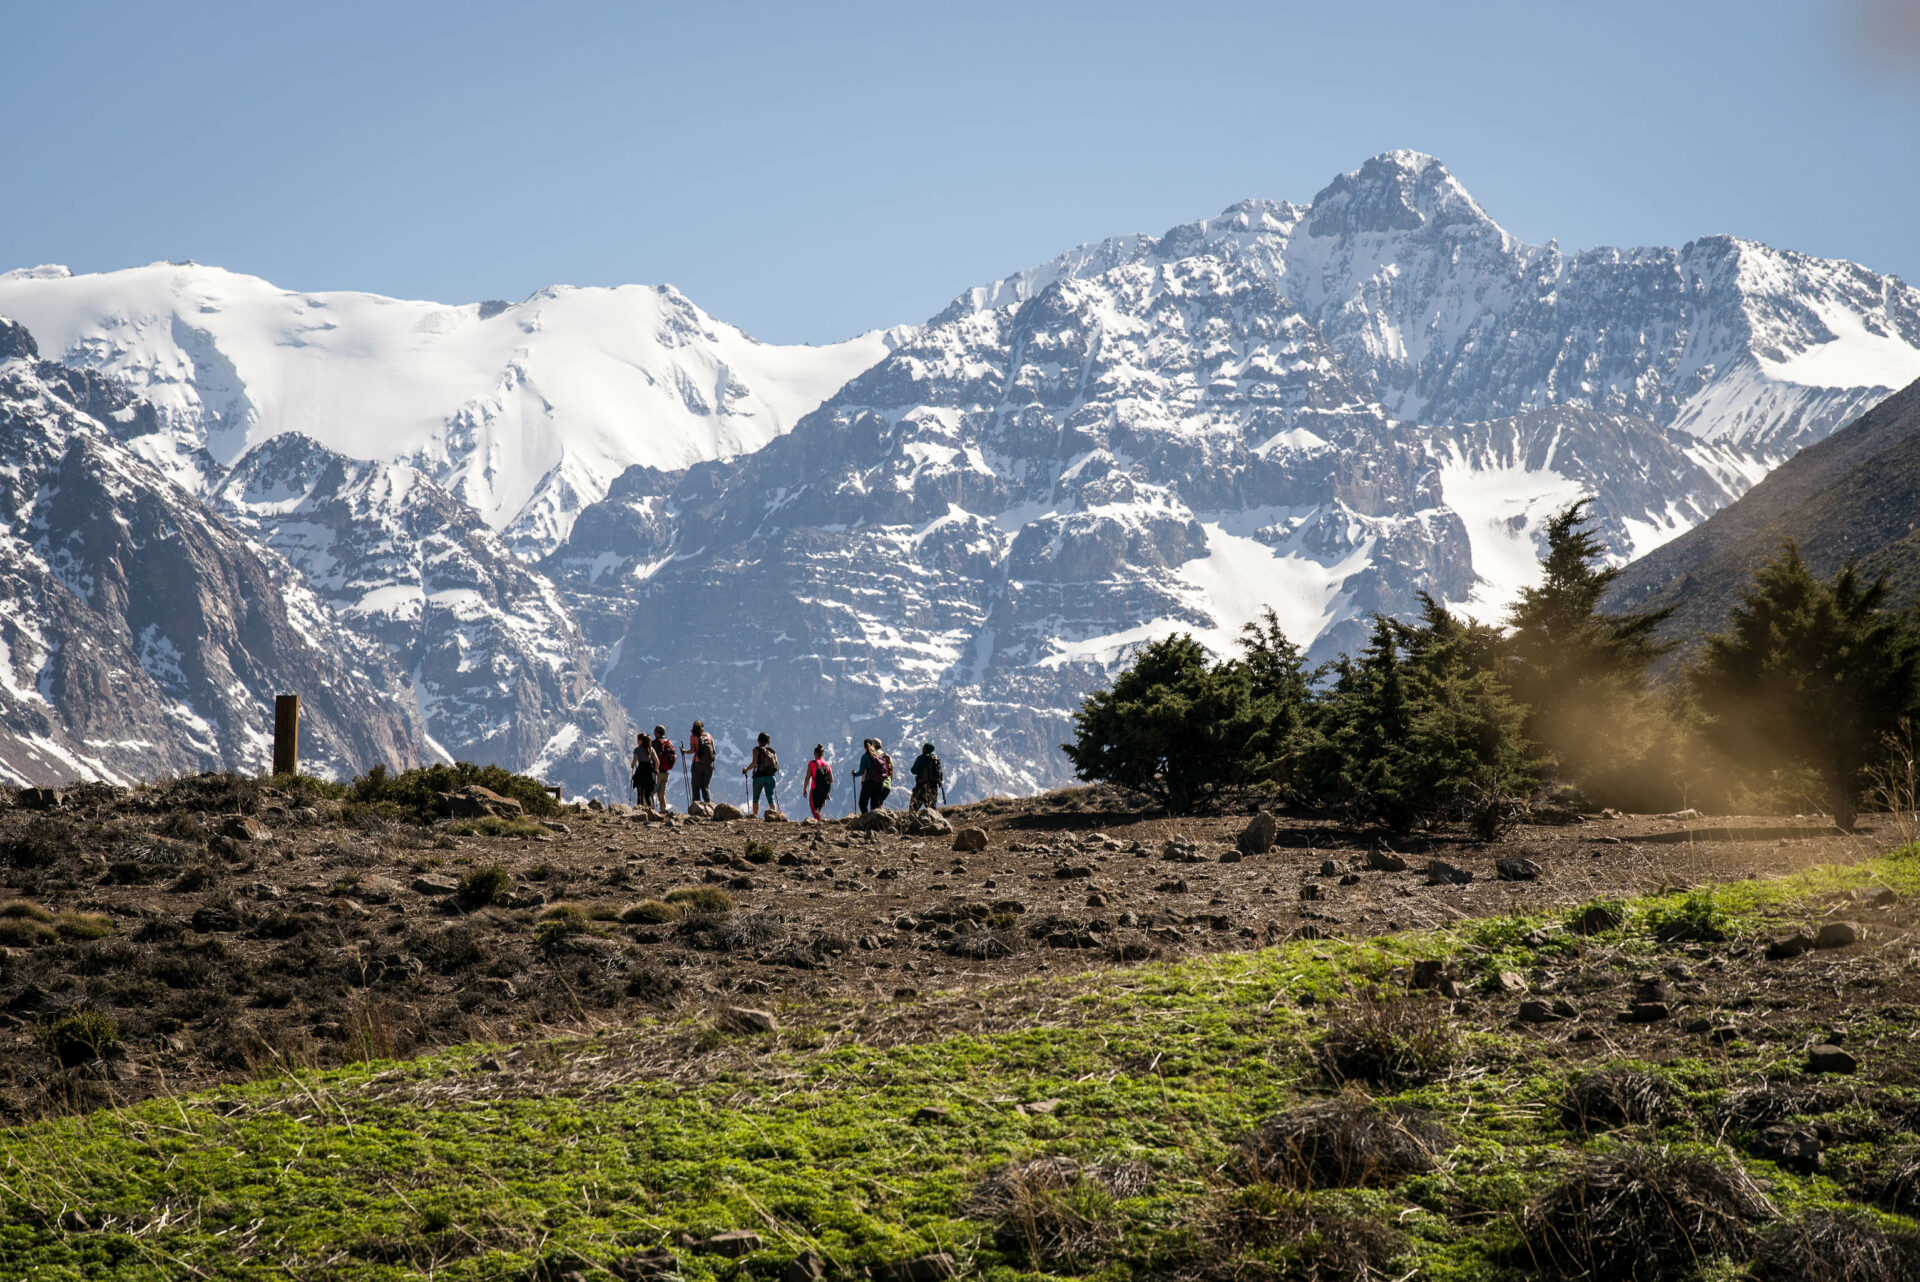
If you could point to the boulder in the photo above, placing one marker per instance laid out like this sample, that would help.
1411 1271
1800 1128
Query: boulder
40 799
928 823
1837 934
970 839
1788 946
1257 837
476 802
874 821
1385 861
1510 981
774 816
1644 1013
1536 1011
695 809
430 885
746 1019
1517 869
808 1266
722 812
1830 1059
244 828
1595 919
1442 873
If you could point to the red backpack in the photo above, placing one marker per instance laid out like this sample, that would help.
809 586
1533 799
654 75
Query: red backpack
663 749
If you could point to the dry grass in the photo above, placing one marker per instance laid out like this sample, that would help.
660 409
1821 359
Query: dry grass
1387 1039
1349 1142
1615 1097
1844 1247
1642 1213
1055 1211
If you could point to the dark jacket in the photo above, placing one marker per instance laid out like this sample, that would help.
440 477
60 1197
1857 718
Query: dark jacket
926 770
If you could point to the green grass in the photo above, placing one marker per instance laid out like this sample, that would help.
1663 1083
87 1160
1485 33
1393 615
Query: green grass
494 826
456 1168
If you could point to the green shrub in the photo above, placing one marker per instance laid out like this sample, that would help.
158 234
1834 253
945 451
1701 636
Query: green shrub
79 1036
562 920
79 925
485 883
1696 919
24 909
308 786
25 932
710 900
649 912
759 852
418 791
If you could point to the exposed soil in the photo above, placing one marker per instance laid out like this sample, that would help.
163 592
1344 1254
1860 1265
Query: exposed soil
321 941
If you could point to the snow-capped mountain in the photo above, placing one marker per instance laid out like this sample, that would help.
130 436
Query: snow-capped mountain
1323 408
603 504
525 410
140 634
498 667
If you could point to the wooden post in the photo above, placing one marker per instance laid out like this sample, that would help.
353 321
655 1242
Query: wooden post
286 734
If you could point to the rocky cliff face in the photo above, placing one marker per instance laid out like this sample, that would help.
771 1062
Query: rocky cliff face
142 635
497 664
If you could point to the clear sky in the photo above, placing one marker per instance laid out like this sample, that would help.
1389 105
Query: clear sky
811 170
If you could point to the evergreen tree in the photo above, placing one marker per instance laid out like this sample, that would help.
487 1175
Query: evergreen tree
1174 726
1581 674
1808 674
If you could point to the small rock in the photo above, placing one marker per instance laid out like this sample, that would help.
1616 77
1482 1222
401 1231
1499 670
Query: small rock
475 802
1538 1012
746 1019
928 823
925 1268
1310 891
808 1266
1830 1059
1350 879
1442 873
1788 946
1837 934
1798 1148
774 816
1385 861
1231 856
930 1115
435 885
1171 888
732 1244
245 828
1072 872
1096 900
1452 991
1257 837
969 840
1508 981
1427 973
1595 920
1517 869
1645 1013
725 813
695 809
1328 868
1040 1107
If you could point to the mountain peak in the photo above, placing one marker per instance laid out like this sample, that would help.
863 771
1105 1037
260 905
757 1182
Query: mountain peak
1394 191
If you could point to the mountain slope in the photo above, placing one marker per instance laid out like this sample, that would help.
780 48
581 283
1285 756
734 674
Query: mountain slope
1853 497
525 410
499 668
140 634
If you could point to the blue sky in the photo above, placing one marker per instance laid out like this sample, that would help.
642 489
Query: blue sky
808 171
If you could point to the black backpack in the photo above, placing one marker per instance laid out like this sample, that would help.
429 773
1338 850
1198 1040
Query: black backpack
822 780
703 750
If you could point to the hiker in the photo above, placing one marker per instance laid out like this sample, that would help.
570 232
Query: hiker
927 779
699 749
764 768
645 769
875 773
663 758
819 781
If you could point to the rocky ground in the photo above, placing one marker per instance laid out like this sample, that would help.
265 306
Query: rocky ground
226 928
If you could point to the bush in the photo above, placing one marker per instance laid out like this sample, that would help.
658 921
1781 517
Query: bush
1696 919
483 884
78 1037
25 910
1615 1097
308 787
1307 1240
418 791
1349 1142
708 900
1388 1040
759 852
1643 1213
1055 1212
25 932
43 842
79 925
649 912
1837 1247
494 826
565 919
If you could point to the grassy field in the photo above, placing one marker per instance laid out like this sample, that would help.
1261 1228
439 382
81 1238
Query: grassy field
1291 1112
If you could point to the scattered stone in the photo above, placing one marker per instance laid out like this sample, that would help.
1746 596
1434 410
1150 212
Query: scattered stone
968 840
1789 946
746 1019
476 802
774 816
732 1244
924 1268
695 809
1231 856
1040 1107
1837 934
1328 868
1517 869
1442 873
1596 920
1508 981
645 1266
808 1266
1350 879
1427 973
1830 1059
1072 872
723 812
428 885
1257 837
930 1115
1171 888
1310 891
928 823
1644 1013
1385 861
245 828
1096 900
1536 1011
1798 1148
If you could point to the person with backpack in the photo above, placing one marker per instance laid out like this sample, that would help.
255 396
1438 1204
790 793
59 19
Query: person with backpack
875 773
700 751
927 779
663 757
819 780
764 768
645 769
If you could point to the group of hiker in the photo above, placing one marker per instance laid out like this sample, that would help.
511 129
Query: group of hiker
655 756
